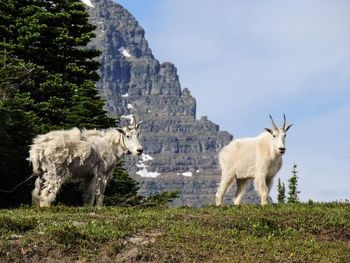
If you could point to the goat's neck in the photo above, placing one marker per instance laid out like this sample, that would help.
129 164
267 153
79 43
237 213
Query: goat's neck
116 141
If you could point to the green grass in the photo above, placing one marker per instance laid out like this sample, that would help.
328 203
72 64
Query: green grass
288 233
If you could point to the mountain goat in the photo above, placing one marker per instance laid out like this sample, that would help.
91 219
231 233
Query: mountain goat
87 157
258 158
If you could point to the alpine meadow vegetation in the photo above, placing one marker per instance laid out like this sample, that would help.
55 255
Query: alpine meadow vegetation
248 233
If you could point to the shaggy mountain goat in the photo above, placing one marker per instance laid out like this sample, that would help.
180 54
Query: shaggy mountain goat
87 157
258 158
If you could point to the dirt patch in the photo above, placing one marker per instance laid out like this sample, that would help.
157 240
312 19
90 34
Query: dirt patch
134 245
334 235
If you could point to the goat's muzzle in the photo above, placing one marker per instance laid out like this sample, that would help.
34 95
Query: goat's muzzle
139 151
282 150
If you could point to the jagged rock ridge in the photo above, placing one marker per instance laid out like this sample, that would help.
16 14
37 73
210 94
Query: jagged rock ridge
181 151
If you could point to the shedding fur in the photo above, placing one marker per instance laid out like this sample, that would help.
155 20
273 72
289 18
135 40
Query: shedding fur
87 157
258 158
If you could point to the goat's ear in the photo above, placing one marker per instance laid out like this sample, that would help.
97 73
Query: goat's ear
269 130
138 125
288 127
121 131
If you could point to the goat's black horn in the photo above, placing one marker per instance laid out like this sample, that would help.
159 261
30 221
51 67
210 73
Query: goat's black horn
273 124
284 122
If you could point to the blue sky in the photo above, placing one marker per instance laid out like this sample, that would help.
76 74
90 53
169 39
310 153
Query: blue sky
243 60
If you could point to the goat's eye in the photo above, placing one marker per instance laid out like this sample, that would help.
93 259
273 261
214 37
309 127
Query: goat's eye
128 136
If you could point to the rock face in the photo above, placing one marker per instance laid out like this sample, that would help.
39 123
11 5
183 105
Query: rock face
180 151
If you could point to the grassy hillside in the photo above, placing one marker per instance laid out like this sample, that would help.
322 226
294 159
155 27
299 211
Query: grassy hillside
296 233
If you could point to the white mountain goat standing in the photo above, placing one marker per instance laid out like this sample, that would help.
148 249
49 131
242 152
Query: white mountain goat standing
258 158
87 157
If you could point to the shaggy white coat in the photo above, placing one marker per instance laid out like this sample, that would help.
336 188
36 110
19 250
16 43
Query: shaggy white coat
87 157
258 158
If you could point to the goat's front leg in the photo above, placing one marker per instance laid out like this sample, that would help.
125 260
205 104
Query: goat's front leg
99 200
49 185
262 188
37 190
100 190
269 183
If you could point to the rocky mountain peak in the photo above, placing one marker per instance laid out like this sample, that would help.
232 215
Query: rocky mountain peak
180 151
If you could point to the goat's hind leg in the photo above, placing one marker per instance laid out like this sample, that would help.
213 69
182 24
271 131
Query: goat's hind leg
240 191
89 193
227 180
89 189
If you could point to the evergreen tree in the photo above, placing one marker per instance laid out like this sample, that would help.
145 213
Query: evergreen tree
53 36
16 129
281 189
49 83
293 187
122 189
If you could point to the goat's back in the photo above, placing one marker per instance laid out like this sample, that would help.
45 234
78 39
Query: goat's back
56 148
241 154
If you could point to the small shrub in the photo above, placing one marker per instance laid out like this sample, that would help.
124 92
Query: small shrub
162 199
264 227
